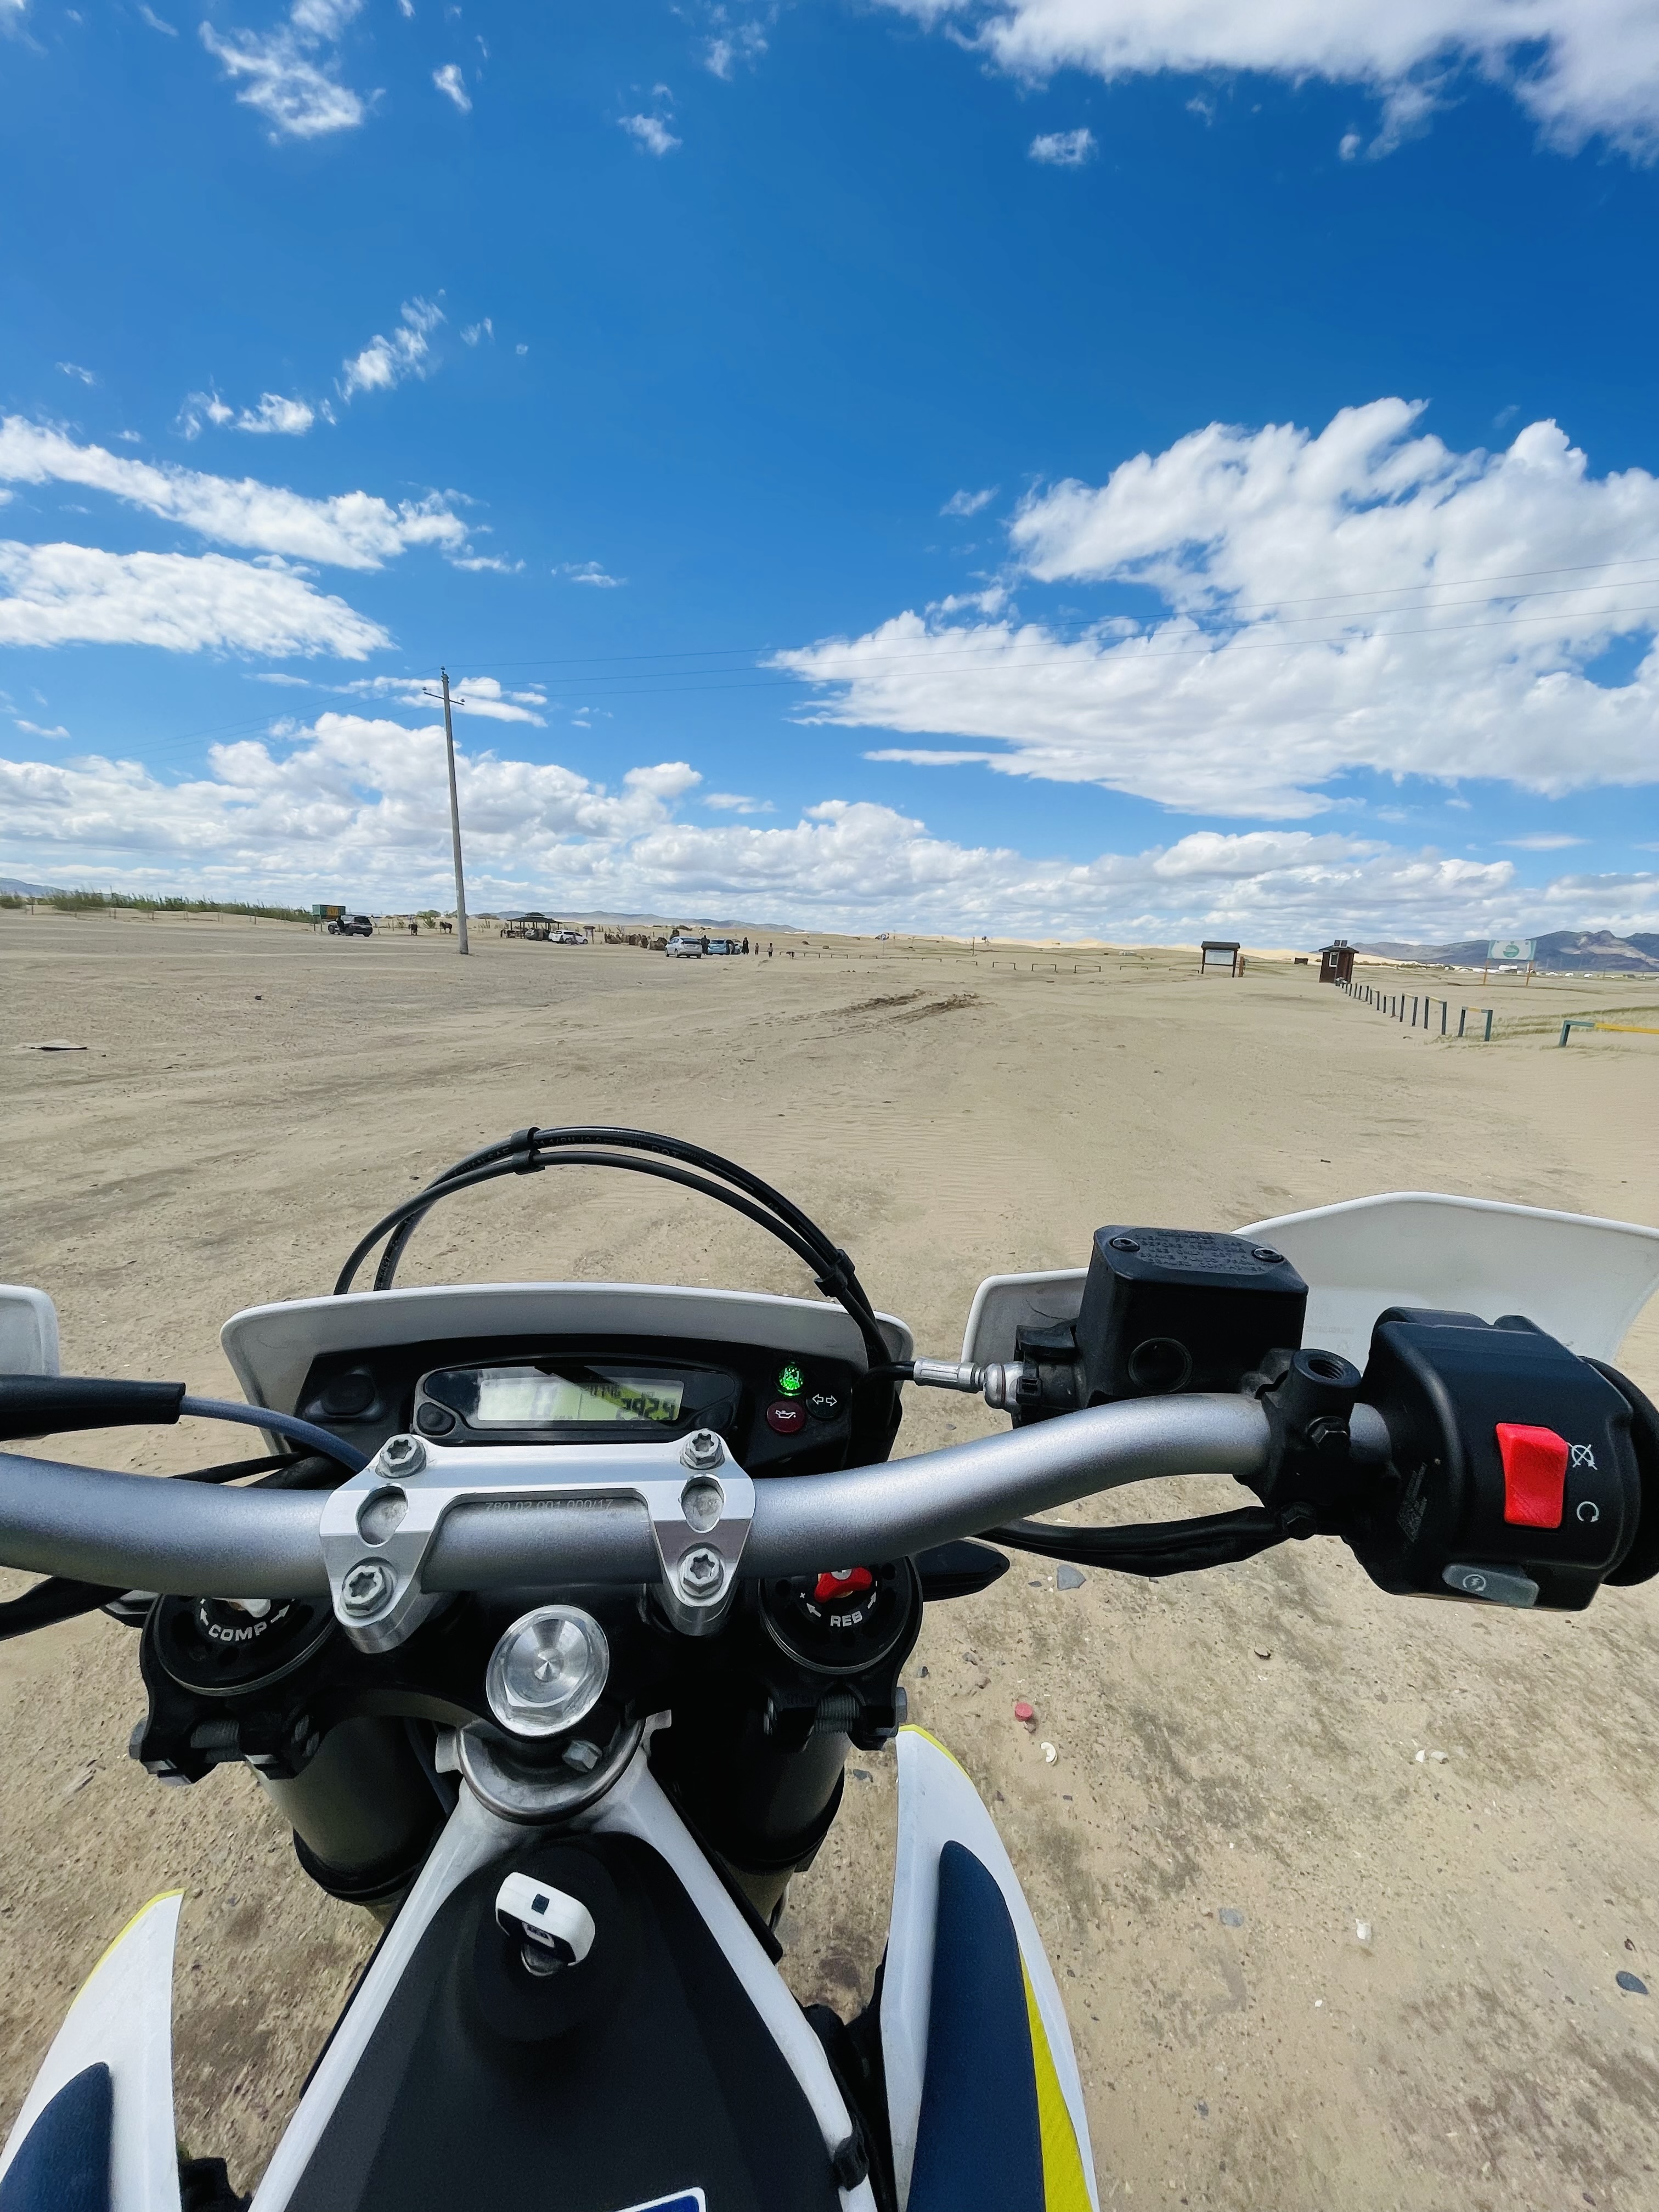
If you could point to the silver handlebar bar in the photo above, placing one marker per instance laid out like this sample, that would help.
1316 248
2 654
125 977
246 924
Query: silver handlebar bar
134 1532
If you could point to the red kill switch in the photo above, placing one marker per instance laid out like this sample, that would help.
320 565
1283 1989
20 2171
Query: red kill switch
1534 1475
842 1582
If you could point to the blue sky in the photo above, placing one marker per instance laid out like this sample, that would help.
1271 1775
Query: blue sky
1103 466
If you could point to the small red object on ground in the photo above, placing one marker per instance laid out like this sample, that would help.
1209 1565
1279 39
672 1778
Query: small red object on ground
1024 1712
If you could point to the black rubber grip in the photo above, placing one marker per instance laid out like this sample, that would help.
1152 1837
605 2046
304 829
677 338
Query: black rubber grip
48 1405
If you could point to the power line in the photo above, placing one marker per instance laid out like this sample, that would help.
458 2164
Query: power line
656 683
1243 607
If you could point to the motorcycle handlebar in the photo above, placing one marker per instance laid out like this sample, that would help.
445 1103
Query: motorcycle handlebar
182 1539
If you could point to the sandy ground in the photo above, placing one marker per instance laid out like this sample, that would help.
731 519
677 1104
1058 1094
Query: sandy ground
251 1097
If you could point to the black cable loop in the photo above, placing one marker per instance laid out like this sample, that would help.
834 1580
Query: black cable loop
527 1142
522 1140
528 1151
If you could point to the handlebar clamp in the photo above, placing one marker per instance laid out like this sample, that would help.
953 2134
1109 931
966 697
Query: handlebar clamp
378 1530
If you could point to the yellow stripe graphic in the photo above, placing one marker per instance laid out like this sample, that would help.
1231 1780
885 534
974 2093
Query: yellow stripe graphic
1064 2188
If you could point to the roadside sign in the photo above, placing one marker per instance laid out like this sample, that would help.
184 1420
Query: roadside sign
1507 949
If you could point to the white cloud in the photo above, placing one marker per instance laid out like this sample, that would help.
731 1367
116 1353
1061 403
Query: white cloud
991 601
652 133
1581 68
473 695
732 46
74 368
386 363
357 801
286 419
968 502
735 802
1064 149
353 530
351 800
1361 599
1543 842
77 595
35 730
155 22
492 564
474 332
201 407
932 757
588 572
452 85
289 74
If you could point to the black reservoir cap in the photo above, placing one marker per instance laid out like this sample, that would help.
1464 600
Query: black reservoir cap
1171 1309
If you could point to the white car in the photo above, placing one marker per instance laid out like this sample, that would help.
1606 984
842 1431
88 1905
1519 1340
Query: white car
684 948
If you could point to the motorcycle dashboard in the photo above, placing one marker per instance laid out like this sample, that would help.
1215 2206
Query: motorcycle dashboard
780 1412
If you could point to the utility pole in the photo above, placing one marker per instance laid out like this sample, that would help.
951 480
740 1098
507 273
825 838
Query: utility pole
454 812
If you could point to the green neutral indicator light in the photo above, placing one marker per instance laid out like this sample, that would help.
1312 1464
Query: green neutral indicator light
791 1381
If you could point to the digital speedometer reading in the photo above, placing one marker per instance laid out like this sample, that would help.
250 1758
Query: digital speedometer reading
579 1395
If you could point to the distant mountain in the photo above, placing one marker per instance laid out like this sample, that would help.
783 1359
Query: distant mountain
1573 952
654 921
12 887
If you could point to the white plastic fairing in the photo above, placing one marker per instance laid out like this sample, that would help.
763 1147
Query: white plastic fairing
123 2019
1003 1304
271 1347
28 1331
938 1805
1582 1280
639 1807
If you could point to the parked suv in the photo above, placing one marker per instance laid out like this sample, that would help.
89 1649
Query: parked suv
684 948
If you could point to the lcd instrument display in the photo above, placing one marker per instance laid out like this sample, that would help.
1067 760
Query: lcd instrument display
579 1395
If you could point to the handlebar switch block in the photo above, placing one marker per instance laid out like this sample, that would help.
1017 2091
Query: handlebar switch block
1511 1461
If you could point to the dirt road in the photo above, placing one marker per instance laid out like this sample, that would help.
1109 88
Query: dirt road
1237 1781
